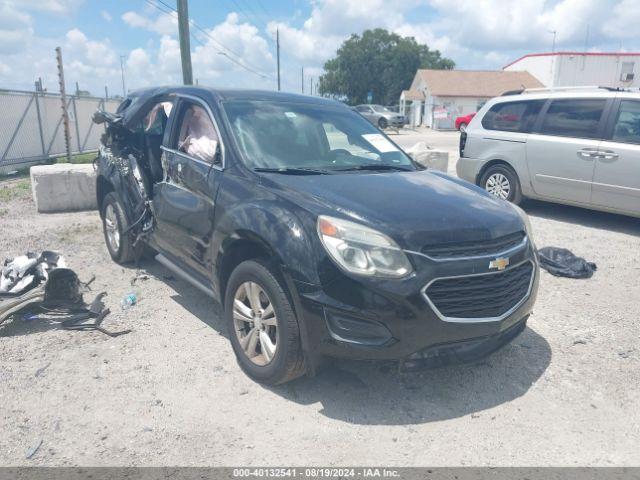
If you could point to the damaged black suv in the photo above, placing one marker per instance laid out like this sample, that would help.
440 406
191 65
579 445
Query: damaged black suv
318 235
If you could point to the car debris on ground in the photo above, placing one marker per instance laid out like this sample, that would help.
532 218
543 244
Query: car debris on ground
42 288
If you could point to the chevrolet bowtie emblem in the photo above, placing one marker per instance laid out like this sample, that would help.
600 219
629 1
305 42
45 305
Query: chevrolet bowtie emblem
500 263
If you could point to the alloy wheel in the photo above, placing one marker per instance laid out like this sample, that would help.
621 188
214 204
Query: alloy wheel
111 226
256 324
498 185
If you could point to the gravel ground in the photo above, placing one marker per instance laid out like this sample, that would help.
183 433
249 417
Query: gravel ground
170 393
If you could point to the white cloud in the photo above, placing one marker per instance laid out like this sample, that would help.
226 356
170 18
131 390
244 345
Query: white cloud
242 41
623 22
15 29
162 24
59 7
106 15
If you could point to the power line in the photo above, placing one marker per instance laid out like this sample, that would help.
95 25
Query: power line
203 31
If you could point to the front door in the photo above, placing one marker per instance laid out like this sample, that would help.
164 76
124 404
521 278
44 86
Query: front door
616 182
562 150
185 201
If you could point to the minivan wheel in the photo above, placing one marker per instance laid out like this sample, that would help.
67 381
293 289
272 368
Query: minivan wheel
502 182
382 123
463 127
114 223
263 328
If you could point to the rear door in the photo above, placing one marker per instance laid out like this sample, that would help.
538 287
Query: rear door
367 112
562 149
185 201
616 182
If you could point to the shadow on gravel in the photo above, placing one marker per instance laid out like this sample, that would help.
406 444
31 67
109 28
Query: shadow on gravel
583 216
204 308
374 393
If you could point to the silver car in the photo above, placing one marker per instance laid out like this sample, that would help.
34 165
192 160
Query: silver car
578 146
381 116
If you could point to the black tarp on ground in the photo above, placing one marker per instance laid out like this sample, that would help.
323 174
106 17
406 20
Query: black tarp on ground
563 263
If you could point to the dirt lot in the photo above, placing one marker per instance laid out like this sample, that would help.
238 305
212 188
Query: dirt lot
170 393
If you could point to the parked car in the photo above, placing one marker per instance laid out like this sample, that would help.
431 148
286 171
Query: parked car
380 116
577 146
462 122
264 201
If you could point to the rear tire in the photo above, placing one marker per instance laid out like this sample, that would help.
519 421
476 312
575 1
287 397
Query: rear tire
114 224
463 127
382 123
256 301
502 181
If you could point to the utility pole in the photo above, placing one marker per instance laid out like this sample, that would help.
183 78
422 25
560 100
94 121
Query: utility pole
185 46
302 79
310 85
63 99
106 92
124 90
278 55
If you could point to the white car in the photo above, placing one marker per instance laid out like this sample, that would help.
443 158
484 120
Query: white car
578 146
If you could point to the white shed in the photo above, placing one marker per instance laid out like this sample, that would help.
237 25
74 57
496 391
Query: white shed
439 96
568 69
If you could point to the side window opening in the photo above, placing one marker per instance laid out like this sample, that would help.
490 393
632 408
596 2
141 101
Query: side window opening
196 134
627 125
154 125
578 118
513 116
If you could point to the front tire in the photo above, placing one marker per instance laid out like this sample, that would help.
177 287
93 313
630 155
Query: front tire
262 325
382 123
502 181
114 224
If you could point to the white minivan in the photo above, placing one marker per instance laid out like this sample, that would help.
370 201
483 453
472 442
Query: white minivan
579 146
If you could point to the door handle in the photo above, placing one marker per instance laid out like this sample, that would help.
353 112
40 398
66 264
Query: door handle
587 153
609 155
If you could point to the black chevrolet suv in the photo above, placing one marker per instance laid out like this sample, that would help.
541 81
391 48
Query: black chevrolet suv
318 235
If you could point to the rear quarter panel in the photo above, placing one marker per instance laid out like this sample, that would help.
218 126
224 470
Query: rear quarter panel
488 146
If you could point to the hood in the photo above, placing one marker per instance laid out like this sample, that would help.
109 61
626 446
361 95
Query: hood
414 208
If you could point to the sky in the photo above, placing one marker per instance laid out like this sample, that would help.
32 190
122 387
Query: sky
233 41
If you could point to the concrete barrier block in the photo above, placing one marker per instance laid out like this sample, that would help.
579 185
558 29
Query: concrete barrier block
63 187
428 157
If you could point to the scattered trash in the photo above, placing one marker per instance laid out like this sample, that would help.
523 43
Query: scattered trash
41 370
32 450
563 263
129 300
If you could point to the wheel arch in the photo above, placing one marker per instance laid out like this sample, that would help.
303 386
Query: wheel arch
103 187
494 162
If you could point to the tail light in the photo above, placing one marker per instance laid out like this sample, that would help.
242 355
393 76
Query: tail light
463 142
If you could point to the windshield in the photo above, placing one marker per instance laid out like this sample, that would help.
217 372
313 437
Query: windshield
380 108
278 135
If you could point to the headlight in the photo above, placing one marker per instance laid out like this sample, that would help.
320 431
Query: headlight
527 222
362 250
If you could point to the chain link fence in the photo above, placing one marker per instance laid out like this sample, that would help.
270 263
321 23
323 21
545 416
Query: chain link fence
31 130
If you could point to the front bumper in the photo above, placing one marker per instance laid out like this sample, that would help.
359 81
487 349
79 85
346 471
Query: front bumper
391 319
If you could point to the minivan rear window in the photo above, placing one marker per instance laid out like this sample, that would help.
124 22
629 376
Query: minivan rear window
573 118
513 116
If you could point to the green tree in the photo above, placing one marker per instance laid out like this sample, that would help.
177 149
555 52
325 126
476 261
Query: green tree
380 62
